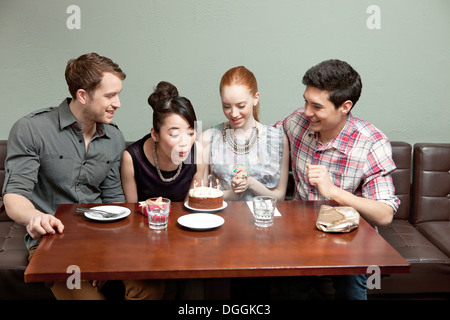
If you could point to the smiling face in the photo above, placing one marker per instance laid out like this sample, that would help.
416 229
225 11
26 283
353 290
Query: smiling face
175 139
237 104
324 117
101 104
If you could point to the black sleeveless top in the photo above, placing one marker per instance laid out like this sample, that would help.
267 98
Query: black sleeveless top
148 182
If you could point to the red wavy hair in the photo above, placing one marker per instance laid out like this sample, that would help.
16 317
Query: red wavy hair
243 77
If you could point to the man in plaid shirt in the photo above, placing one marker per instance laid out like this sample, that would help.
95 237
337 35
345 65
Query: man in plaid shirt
337 156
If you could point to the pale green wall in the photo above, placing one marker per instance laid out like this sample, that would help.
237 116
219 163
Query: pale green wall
405 65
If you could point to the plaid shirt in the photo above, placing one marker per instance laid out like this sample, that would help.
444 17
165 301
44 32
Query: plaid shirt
359 159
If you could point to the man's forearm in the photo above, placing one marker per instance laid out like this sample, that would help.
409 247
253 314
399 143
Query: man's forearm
375 212
19 208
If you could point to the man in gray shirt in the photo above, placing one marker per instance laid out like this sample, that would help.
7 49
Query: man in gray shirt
67 154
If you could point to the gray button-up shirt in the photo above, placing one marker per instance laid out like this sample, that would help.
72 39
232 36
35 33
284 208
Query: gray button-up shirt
47 161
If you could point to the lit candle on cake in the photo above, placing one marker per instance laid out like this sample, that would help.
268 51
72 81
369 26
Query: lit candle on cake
217 184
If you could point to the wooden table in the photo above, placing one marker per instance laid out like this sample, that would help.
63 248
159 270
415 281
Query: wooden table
128 249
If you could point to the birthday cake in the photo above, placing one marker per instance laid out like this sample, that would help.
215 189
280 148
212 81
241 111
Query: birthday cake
205 198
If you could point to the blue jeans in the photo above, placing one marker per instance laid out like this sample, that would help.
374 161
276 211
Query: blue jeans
350 287
345 287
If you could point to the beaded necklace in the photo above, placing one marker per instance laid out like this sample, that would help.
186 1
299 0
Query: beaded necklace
159 171
232 144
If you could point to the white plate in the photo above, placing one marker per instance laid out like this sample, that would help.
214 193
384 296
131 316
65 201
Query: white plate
201 221
112 209
224 205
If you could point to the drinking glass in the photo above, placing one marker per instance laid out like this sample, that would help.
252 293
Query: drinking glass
263 210
158 210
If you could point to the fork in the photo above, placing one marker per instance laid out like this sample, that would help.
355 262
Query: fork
103 213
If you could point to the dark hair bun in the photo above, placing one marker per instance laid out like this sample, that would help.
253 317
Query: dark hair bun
164 90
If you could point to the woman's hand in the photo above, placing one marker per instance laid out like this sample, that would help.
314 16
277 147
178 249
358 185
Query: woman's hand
240 182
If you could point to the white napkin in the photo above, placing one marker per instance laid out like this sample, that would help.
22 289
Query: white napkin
250 206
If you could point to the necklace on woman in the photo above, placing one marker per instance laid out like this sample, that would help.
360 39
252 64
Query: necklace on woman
159 171
232 142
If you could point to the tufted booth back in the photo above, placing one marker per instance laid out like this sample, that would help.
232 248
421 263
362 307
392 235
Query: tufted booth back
431 182
3 216
401 153
2 161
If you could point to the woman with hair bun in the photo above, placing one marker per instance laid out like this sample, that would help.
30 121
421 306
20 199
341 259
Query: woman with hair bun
163 162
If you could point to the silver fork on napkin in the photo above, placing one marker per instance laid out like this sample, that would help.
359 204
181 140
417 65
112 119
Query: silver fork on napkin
104 214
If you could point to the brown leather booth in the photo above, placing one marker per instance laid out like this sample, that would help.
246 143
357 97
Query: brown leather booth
13 254
431 189
420 231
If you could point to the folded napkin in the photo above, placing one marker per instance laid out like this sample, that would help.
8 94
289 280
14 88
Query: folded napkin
250 206
337 219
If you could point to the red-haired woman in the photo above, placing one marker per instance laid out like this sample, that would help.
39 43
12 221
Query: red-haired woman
245 157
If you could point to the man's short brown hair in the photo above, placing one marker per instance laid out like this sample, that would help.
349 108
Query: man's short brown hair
86 72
